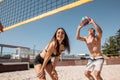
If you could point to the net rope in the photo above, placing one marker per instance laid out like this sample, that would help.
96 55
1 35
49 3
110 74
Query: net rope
16 11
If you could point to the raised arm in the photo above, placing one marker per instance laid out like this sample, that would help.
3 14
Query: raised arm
78 37
97 27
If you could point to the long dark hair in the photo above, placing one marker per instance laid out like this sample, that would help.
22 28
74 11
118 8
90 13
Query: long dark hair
65 42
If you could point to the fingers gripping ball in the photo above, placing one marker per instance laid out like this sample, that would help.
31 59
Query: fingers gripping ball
85 20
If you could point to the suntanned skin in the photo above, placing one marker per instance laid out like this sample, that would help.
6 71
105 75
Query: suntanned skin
93 42
50 68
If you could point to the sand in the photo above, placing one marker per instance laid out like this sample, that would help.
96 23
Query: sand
109 72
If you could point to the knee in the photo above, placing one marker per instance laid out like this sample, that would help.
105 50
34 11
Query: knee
87 73
97 75
54 76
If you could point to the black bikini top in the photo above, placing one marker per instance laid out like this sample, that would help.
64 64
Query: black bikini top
53 55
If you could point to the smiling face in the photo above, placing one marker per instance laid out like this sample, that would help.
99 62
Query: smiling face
60 35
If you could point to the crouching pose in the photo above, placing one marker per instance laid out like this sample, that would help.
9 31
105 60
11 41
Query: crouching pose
58 43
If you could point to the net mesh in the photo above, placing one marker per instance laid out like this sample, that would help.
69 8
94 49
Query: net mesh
16 11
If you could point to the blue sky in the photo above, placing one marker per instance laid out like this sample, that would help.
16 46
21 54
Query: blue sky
106 13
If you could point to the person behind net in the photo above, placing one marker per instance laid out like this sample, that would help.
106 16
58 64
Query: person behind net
56 46
93 41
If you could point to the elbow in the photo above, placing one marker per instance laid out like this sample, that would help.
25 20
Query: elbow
77 38
100 30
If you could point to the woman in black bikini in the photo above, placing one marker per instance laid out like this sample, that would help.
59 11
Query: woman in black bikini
59 43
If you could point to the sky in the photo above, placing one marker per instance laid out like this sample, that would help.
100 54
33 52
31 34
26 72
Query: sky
37 34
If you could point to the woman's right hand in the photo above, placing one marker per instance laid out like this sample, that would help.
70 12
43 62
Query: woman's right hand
41 74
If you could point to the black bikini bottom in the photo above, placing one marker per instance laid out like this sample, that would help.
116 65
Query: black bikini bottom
40 60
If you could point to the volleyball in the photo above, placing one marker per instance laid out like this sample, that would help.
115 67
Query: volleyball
85 20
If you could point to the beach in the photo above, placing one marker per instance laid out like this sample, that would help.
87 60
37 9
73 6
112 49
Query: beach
109 72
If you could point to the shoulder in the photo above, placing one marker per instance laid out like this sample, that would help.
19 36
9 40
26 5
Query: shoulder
85 38
98 37
52 44
50 48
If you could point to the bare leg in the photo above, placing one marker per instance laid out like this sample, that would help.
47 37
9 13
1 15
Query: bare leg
49 69
88 75
97 75
37 70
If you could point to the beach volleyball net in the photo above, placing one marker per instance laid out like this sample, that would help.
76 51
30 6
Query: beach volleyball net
14 13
